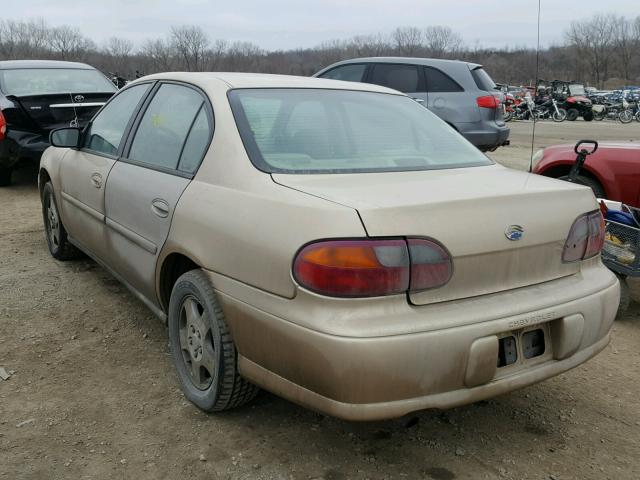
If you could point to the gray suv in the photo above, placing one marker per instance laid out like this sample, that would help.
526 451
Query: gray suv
461 93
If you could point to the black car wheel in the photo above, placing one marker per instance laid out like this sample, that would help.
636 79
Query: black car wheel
5 177
202 348
54 230
594 185
572 114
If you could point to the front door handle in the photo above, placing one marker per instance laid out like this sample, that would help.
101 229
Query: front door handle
160 207
96 180
419 100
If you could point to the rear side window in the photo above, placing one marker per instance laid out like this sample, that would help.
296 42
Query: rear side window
104 134
165 125
404 78
438 81
483 80
196 144
349 73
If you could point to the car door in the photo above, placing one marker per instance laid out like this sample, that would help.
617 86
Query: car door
169 139
83 172
446 98
405 78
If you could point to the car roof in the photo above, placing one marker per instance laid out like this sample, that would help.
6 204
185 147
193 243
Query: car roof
262 80
432 62
20 64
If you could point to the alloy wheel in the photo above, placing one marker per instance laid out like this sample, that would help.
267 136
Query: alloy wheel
196 343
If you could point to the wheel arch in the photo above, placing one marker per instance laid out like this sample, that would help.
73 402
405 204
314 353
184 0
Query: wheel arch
560 169
172 266
43 178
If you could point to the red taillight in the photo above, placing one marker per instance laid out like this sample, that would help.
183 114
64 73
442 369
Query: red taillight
488 101
430 264
586 237
3 126
371 267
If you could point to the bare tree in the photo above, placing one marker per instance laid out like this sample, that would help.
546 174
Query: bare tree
69 44
118 51
407 40
442 41
160 54
593 39
191 43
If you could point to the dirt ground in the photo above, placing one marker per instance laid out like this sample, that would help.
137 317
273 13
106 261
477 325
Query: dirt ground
93 394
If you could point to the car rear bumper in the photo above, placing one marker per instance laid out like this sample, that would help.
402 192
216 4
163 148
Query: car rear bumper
364 377
19 145
486 135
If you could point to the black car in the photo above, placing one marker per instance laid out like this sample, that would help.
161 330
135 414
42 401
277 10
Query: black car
37 96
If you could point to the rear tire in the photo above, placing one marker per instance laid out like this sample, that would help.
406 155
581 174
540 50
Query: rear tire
599 116
594 185
5 176
626 116
572 114
203 351
588 116
54 231
625 298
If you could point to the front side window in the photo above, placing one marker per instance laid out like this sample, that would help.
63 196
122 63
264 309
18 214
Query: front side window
345 131
49 81
164 127
105 132
404 78
349 73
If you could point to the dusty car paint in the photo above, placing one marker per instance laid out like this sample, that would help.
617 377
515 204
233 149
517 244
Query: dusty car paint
370 358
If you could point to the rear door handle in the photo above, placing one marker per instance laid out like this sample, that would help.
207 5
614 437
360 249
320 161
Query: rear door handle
160 207
419 100
96 180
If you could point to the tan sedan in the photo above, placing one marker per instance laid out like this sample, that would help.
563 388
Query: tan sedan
334 243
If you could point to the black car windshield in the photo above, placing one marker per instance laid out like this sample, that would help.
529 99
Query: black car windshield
345 131
48 81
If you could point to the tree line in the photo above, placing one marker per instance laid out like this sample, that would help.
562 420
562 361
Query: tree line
603 51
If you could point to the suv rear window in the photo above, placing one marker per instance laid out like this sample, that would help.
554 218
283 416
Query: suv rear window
482 79
438 81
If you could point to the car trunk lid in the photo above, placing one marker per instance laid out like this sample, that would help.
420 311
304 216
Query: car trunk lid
469 211
48 112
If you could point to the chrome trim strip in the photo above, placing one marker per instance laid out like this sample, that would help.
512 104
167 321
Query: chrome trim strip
76 105
132 236
84 207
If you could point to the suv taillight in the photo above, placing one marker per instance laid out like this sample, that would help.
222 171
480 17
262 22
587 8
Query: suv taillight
488 101
371 267
3 126
586 237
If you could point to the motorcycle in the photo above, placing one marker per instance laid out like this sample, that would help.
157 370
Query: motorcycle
614 111
548 108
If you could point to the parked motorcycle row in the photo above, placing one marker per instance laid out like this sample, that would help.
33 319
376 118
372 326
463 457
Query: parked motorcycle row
559 101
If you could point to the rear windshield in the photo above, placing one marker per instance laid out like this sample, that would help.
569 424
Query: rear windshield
48 81
342 131
483 80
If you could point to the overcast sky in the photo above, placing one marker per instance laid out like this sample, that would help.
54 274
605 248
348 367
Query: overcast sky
284 24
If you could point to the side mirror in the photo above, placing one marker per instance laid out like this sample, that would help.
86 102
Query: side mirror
68 137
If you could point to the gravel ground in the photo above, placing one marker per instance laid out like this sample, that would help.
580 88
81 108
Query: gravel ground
92 393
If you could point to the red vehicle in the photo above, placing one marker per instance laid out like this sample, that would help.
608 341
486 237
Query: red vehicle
612 172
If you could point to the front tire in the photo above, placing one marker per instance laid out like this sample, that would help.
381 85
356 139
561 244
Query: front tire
202 348
587 116
594 185
560 115
572 114
5 176
55 233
